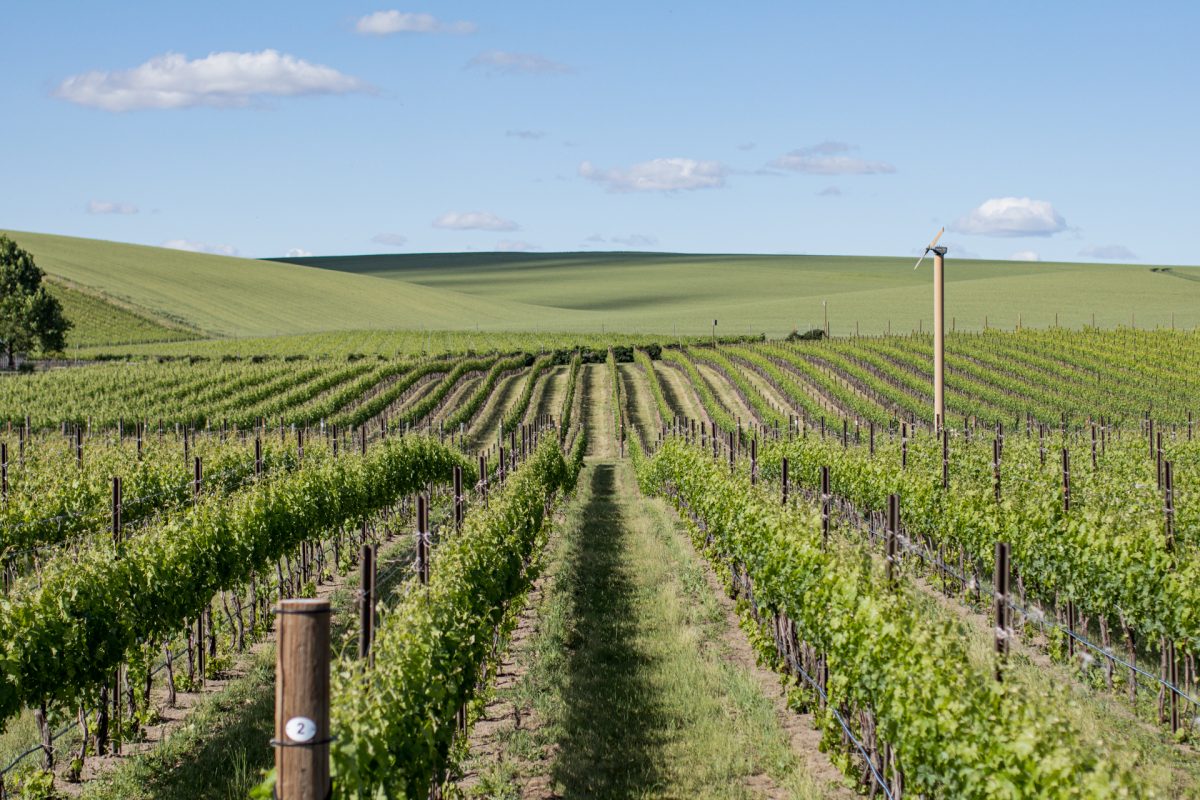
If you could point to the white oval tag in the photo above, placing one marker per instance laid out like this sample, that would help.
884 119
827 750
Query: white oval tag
300 729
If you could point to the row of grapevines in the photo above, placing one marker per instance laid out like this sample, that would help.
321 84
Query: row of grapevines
568 405
712 406
52 500
427 404
1108 553
957 732
665 415
466 412
394 721
746 390
65 631
512 420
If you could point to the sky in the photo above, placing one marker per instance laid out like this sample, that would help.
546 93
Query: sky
1052 131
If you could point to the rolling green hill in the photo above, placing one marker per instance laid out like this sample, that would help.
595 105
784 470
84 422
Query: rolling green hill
774 294
653 293
225 296
97 321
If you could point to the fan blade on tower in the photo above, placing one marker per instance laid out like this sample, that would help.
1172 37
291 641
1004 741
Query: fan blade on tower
930 247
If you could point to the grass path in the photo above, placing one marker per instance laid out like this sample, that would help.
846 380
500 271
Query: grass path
626 678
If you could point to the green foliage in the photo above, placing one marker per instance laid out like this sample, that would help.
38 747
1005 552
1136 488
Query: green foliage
517 413
394 722
66 629
29 314
957 731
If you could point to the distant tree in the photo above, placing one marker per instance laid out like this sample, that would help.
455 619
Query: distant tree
29 314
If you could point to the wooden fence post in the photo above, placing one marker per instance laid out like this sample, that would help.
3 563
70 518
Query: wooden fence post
785 481
893 527
1066 479
1001 581
423 538
825 500
754 461
458 498
366 601
302 732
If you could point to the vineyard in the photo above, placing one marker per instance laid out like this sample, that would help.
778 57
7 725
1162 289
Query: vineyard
1007 607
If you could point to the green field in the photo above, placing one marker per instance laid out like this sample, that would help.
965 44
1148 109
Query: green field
225 296
774 294
633 293
97 321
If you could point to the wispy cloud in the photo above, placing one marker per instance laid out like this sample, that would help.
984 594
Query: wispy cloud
521 134
1109 252
384 23
201 247
503 62
659 175
746 146
110 207
393 239
634 240
830 191
1011 216
474 221
829 158
514 246
219 80
1025 255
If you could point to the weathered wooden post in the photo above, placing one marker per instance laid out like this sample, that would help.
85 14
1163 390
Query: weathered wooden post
302 733
754 461
458 498
423 538
366 601
1066 479
1001 580
825 502
785 481
893 527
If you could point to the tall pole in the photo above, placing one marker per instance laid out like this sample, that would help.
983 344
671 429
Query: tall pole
939 337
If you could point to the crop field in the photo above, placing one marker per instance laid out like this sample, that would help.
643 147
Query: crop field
665 292
477 296
569 600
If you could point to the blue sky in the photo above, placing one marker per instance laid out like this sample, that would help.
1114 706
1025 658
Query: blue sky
1061 130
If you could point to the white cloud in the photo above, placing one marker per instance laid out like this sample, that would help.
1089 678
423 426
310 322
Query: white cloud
635 240
1109 252
520 134
511 246
1025 255
394 239
518 63
474 221
383 23
298 252
659 175
829 158
110 207
1012 216
220 79
201 247
830 191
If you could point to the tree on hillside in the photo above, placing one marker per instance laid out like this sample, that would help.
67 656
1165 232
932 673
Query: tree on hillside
28 313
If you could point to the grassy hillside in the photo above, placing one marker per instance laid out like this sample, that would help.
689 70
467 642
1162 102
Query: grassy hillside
651 293
98 322
774 294
242 297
